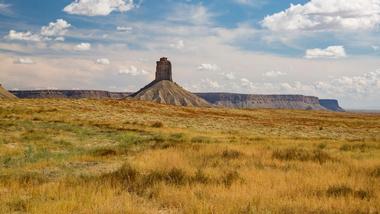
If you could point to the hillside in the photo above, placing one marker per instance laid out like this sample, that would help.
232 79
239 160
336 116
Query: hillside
168 92
121 156
4 94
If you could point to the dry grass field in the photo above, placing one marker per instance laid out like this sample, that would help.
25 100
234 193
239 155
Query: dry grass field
94 156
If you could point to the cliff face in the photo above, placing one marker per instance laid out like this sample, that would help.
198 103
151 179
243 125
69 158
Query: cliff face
218 99
263 101
69 94
331 104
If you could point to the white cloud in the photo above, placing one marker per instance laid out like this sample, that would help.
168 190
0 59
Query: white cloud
246 83
252 3
375 47
98 7
124 29
210 83
23 36
24 61
363 85
55 29
208 67
273 74
194 14
331 52
58 28
103 61
178 45
4 8
133 71
327 15
83 47
229 76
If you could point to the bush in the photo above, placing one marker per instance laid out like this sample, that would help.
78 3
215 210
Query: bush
344 191
301 155
337 191
231 154
157 125
103 152
200 139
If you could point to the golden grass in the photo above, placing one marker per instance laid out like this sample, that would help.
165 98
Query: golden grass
107 156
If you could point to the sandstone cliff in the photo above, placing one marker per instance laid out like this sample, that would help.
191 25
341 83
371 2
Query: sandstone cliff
69 94
262 101
331 104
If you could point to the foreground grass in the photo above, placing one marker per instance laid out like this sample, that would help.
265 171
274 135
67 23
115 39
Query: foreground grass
88 156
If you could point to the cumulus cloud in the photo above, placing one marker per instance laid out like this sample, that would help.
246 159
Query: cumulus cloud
210 83
98 7
24 61
246 83
180 44
326 15
208 67
124 29
83 47
55 29
229 76
133 71
190 13
58 28
273 74
23 36
331 52
362 85
103 61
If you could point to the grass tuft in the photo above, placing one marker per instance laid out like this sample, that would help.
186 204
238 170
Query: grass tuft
295 154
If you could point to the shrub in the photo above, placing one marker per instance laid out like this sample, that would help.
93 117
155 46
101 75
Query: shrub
200 139
157 125
337 191
231 154
177 137
230 178
103 152
301 155
375 172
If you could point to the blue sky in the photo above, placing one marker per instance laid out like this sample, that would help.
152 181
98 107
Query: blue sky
325 48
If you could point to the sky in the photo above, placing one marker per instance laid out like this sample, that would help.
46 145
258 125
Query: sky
324 48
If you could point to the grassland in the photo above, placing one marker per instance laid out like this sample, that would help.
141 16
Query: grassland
93 156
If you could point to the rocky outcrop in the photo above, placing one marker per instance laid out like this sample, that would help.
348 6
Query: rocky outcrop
69 94
164 70
218 99
331 104
163 90
262 101
4 94
167 92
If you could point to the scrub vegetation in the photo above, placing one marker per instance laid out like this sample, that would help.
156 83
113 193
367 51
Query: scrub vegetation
108 156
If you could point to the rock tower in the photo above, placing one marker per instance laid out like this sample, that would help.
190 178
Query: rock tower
164 70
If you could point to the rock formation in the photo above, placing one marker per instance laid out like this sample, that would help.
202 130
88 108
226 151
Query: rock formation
69 94
331 104
163 90
218 99
4 94
263 101
164 70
